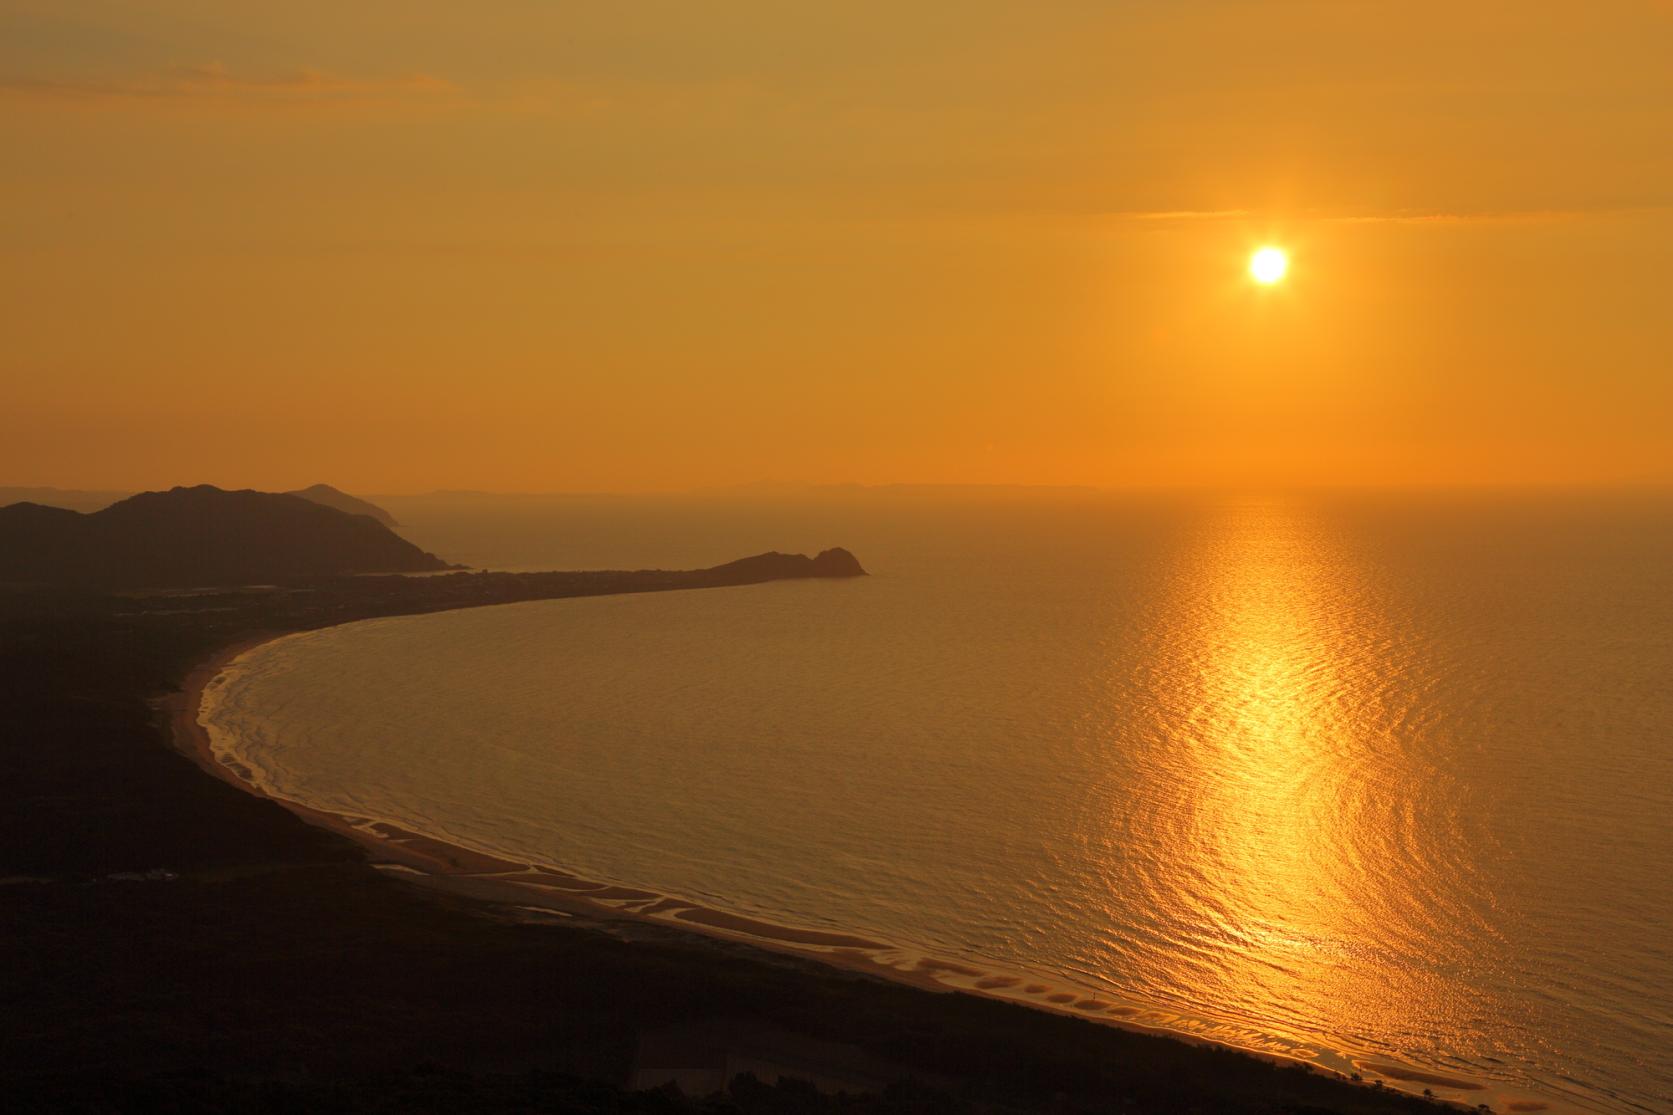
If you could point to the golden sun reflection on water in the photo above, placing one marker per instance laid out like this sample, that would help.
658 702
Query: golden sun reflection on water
1291 824
1261 732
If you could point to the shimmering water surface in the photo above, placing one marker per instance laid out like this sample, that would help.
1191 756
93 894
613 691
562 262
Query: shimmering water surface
1387 780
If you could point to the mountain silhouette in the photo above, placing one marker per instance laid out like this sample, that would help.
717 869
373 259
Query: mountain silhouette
199 536
342 501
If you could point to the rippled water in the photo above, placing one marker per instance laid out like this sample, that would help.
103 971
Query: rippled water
1389 781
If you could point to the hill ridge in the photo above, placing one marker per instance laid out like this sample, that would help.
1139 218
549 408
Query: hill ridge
199 535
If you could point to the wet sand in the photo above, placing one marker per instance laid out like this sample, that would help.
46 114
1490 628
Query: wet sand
1400 1072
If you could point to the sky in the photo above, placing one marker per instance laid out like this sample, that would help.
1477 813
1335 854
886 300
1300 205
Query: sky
529 245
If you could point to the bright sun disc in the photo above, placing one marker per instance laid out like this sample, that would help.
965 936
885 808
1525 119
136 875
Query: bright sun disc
1268 265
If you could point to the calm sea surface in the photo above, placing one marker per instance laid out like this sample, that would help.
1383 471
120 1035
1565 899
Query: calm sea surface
1389 780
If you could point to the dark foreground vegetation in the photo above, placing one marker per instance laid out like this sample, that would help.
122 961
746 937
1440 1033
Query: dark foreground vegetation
173 944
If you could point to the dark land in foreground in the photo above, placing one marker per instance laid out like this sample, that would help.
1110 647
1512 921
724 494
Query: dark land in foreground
174 944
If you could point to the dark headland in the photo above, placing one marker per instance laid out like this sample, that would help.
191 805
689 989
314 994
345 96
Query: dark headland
199 536
175 944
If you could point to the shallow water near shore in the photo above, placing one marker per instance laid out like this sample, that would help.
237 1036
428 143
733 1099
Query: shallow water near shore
1385 781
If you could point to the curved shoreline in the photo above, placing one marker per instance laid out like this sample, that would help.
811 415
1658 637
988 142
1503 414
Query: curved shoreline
543 891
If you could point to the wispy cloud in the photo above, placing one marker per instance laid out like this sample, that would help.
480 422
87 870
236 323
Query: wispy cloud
215 83
1181 215
1394 216
1462 217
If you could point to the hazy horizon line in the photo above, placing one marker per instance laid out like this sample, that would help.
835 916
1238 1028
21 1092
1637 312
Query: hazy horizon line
902 486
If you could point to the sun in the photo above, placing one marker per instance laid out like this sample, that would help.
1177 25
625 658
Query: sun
1268 265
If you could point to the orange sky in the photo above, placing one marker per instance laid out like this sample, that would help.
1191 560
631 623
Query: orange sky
537 246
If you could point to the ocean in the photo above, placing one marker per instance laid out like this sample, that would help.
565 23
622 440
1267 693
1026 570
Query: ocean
1384 781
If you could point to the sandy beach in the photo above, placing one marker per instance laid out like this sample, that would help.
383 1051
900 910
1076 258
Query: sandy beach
188 937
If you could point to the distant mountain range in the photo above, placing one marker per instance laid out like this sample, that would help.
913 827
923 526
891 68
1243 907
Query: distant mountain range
342 501
203 536
75 499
